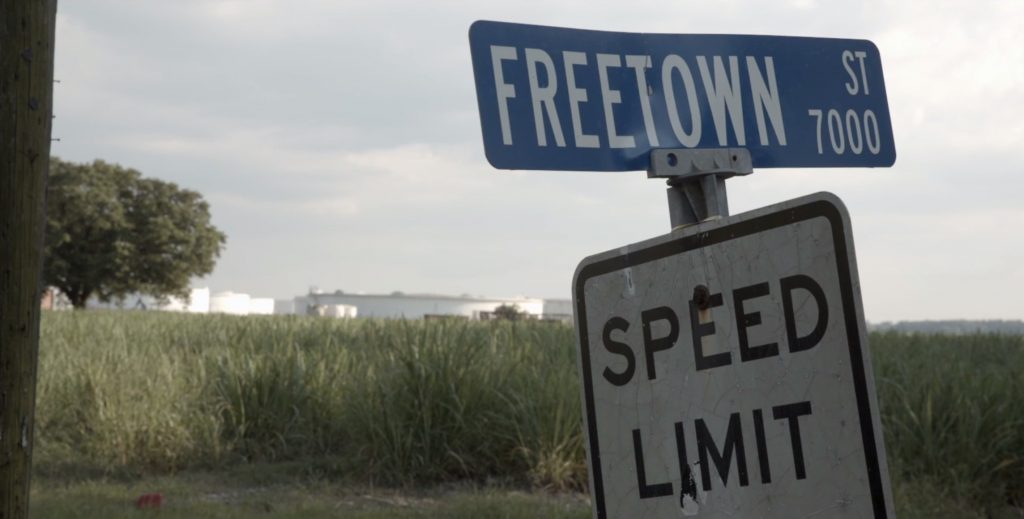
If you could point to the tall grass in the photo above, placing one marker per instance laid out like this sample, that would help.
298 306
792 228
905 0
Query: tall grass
953 412
392 401
428 401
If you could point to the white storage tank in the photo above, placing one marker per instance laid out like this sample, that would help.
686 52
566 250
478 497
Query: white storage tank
199 301
340 311
177 304
229 303
284 307
261 306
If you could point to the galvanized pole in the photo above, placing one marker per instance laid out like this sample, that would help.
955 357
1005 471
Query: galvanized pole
26 101
696 180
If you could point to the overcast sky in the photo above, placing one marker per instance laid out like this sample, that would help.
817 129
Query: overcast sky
338 143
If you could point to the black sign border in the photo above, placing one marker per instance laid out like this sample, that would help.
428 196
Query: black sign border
788 216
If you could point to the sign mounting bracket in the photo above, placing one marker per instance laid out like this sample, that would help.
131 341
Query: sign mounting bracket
696 180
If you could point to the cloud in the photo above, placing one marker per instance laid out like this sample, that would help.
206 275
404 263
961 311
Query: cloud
339 143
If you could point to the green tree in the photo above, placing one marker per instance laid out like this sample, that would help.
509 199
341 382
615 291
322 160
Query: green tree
111 232
509 312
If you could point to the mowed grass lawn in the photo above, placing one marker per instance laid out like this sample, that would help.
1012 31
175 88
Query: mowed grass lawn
231 494
274 492
304 417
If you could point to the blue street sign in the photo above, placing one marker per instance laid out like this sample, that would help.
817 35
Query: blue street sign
569 99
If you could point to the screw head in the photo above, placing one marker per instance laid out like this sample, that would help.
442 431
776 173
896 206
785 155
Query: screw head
701 296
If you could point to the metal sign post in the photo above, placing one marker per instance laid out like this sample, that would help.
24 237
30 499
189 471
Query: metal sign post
725 367
696 179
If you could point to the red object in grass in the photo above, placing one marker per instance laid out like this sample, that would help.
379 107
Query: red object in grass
153 500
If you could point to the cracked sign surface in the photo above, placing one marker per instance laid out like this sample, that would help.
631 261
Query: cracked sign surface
726 371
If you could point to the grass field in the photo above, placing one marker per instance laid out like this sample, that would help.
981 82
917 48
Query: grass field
288 491
128 398
275 491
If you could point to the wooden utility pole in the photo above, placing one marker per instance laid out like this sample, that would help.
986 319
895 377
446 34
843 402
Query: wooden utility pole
26 106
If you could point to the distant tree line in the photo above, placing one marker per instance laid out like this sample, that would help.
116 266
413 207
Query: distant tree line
953 327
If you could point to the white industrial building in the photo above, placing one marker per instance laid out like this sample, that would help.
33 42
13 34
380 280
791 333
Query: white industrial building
236 303
338 304
200 301
418 306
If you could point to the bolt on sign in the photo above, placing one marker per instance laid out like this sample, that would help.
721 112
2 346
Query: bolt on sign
726 372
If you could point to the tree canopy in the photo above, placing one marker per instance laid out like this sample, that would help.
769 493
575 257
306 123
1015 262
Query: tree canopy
509 312
110 232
